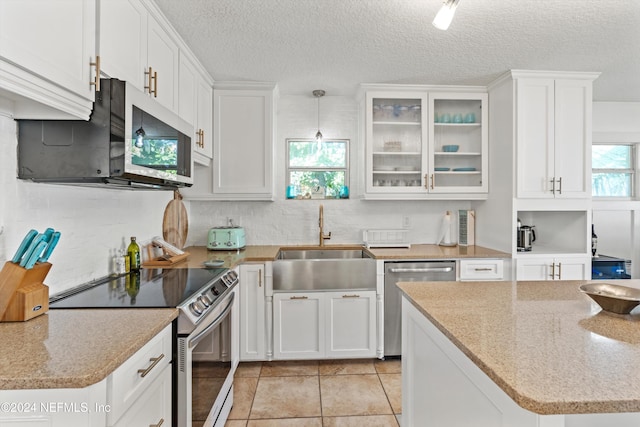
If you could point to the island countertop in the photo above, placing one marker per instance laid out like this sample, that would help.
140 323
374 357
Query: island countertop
74 348
545 344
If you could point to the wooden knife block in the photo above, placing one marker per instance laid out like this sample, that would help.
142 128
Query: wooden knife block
23 295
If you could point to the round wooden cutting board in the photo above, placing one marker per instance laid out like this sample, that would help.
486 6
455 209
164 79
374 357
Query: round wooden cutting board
175 224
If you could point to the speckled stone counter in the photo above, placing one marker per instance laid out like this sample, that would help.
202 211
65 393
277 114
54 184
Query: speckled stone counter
74 348
545 344
199 254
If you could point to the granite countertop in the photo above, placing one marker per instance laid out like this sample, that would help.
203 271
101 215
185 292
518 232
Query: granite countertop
547 345
200 254
74 348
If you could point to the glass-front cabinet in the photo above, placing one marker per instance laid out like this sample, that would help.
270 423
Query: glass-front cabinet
425 145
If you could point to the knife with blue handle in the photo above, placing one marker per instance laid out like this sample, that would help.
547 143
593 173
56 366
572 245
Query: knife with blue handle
26 242
35 254
27 254
48 233
50 247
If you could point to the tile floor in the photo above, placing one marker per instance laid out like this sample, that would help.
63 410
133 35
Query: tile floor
327 393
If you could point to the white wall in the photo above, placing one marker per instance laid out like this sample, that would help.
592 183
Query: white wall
296 221
93 222
615 223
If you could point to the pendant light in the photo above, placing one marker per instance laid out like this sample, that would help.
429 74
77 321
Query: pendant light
318 94
445 14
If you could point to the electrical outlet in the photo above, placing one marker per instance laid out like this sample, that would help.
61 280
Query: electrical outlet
406 222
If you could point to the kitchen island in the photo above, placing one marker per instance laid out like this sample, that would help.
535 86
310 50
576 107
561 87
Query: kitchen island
517 354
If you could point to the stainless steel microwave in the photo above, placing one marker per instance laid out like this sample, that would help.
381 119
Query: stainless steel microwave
130 141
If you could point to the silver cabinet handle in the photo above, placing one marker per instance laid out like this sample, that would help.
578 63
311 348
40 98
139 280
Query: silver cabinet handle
303 297
559 270
351 296
483 269
155 360
560 184
553 271
553 185
422 270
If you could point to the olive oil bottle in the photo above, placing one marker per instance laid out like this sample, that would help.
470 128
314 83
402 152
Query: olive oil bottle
134 255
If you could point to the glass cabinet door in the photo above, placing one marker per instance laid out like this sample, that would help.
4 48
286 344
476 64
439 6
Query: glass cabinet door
458 143
396 142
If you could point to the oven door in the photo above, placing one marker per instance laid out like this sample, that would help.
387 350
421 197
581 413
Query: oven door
207 361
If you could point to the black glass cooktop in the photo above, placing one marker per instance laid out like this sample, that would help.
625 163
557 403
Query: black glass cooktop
152 288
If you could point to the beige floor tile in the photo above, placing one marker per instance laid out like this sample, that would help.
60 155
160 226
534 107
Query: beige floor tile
286 397
353 395
346 367
287 422
361 421
390 366
244 390
248 369
289 368
234 423
392 384
205 391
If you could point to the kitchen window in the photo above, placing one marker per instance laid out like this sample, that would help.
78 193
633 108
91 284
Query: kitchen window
317 170
613 170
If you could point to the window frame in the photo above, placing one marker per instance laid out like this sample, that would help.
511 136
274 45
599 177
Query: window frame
633 171
289 168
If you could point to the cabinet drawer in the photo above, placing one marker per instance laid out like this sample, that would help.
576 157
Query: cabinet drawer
481 269
154 407
127 382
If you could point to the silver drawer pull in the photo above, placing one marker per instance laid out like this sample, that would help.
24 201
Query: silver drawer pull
351 296
143 372
298 297
422 270
484 269
159 424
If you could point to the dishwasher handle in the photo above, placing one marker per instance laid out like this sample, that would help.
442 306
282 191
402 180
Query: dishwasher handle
422 270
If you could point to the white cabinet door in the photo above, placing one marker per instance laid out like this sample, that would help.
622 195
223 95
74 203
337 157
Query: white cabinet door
553 138
299 325
243 126
51 39
553 268
195 105
123 54
351 324
163 59
572 120
252 312
535 137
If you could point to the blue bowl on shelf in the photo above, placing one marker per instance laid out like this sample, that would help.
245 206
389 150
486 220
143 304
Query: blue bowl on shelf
450 148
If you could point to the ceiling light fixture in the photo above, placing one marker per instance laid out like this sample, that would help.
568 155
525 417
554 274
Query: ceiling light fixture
445 14
318 94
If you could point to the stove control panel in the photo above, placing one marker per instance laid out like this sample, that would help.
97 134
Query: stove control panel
201 303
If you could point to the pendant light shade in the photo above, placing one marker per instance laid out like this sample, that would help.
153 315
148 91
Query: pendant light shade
445 14
318 94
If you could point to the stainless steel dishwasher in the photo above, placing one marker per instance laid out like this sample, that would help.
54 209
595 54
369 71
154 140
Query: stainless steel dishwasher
407 271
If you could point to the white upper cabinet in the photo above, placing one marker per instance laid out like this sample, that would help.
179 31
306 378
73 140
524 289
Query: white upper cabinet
421 143
47 56
553 128
146 54
195 106
243 137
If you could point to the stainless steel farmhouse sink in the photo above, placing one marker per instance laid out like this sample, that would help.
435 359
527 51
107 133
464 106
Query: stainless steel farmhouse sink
323 270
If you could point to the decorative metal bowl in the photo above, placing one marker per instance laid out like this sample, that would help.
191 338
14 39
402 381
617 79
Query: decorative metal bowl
613 298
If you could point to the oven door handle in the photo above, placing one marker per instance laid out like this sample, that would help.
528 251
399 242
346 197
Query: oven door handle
422 270
195 340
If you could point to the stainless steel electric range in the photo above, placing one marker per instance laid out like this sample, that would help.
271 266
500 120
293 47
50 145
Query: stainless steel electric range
206 330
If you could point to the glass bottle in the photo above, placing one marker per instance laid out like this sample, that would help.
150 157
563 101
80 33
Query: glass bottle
594 241
134 255
133 285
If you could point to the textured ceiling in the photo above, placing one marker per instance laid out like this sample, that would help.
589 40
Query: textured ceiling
337 44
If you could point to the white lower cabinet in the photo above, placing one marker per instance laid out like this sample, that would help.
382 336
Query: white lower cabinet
553 268
137 393
252 312
317 325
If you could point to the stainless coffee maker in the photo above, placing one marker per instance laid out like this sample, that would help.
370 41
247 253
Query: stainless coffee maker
526 237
